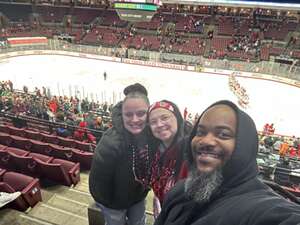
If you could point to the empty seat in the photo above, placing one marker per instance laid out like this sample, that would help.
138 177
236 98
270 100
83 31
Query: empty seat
3 147
48 138
83 157
60 152
66 142
2 171
16 131
73 169
33 135
59 171
20 142
83 146
25 165
4 128
44 158
5 160
39 147
5 139
17 151
28 186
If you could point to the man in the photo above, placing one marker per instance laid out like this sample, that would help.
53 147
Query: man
222 187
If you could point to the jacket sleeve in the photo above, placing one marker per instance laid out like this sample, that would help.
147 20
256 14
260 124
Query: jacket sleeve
279 214
272 209
101 179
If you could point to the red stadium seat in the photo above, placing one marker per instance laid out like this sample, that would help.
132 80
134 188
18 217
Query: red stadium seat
39 147
28 186
5 139
60 152
2 147
19 203
48 138
4 129
83 146
2 171
83 157
5 160
16 131
20 142
17 151
72 168
25 165
66 142
41 157
59 171
34 135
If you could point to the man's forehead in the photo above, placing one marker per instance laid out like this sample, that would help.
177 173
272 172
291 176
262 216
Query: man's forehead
219 113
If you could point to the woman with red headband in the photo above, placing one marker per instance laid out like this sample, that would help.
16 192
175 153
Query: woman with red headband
168 166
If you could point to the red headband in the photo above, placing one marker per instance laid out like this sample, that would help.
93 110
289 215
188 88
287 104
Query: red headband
161 104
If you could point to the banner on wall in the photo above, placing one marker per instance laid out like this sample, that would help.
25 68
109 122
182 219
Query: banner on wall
19 41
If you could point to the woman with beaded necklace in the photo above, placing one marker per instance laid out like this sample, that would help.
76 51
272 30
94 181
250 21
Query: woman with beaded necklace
121 169
169 165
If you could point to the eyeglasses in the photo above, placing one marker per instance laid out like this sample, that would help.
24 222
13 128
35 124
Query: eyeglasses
164 119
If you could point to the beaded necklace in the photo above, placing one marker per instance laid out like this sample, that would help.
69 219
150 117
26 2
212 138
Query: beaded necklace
141 165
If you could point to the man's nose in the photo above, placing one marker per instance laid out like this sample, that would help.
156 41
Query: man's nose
209 139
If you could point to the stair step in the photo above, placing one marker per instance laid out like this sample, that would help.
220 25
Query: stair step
57 216
24 219
82 187
14 217
8 216
71 193
70 205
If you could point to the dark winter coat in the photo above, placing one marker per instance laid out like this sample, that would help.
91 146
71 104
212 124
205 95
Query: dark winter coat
112 182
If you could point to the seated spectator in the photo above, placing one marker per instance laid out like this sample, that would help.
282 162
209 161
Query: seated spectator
63 132
82 134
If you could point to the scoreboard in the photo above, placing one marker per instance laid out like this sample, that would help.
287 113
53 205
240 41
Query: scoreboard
276 4
135 11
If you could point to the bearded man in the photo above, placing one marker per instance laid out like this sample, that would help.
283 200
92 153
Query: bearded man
222 187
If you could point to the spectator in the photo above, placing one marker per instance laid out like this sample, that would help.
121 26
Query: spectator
168 167
223 187
82 134
120 174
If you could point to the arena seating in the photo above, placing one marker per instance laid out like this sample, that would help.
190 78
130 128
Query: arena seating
85 15
29 187
44 167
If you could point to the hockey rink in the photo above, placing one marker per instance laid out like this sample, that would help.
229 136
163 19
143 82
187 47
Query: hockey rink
270 102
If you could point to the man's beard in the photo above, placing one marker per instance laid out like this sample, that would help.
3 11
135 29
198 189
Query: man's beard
201 186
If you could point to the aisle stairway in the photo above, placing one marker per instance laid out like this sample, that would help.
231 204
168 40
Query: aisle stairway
61 205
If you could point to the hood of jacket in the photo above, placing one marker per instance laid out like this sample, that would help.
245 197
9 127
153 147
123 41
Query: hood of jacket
242 165
117 120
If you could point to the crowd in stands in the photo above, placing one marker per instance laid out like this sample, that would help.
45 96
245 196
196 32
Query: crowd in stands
238 90
215 32
284 146
82 117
